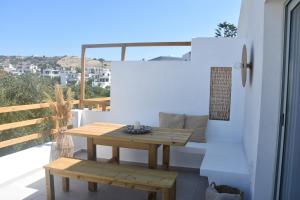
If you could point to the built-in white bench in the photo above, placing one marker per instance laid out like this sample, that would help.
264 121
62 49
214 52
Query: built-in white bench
223 163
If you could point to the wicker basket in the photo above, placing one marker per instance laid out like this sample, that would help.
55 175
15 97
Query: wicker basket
223 192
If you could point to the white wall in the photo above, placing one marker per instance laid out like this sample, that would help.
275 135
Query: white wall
79 142
226 52
261 22
140 90
270 100
251 27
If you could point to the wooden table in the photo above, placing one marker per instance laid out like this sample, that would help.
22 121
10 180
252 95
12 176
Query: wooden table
113 135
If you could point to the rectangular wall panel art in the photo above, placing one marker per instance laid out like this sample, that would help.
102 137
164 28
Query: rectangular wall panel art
220 93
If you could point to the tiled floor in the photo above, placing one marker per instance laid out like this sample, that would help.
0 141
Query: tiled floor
190 186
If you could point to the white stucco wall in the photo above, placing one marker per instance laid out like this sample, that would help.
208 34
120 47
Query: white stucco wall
212 52
79 142
140 90
261 22
251 27
270 100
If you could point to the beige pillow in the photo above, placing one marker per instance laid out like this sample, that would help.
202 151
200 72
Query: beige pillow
199 124
169 120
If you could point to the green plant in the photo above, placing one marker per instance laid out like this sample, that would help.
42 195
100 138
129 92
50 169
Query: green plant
226 30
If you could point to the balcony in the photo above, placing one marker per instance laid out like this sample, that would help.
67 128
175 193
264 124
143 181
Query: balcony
140 91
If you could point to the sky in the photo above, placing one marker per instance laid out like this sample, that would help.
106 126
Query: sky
60 27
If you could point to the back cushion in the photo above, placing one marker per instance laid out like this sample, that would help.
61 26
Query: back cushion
198 124
169 120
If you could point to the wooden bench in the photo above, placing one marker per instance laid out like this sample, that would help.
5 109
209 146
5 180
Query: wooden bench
112 174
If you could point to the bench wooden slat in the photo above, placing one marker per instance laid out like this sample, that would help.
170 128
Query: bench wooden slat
116 174
112 174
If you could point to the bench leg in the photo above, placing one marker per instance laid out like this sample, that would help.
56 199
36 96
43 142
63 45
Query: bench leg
173 192
151 195
49 185
169 194
116 154
166 195
166 156
91 148
65 184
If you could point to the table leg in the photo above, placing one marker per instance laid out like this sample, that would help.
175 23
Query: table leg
66 184
173 192
152 164
116 154
151 195
49 185
152 157
166 156
91 148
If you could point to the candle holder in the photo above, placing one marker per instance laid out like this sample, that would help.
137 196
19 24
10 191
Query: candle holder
132 129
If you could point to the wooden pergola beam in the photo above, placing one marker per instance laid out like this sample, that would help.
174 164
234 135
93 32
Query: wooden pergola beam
138 44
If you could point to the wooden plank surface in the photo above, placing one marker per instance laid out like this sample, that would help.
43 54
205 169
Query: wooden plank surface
18 140
122 174
115 132
23 107
97 100
129 145
19 124
8 109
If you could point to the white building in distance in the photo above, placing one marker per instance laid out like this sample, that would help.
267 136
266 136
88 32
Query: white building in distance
103 79
52 73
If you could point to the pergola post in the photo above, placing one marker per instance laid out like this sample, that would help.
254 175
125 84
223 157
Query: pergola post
123 54
82 80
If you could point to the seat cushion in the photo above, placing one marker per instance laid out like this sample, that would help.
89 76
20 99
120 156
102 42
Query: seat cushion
169 120
198 124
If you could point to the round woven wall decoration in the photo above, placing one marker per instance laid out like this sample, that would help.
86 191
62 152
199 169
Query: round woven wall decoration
244 66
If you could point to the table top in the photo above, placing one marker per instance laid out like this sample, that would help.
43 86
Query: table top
115 132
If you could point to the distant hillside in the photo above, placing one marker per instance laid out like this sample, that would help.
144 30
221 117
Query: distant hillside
41 62
51 62
75 61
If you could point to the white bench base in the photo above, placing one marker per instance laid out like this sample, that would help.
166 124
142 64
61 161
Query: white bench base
224 163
